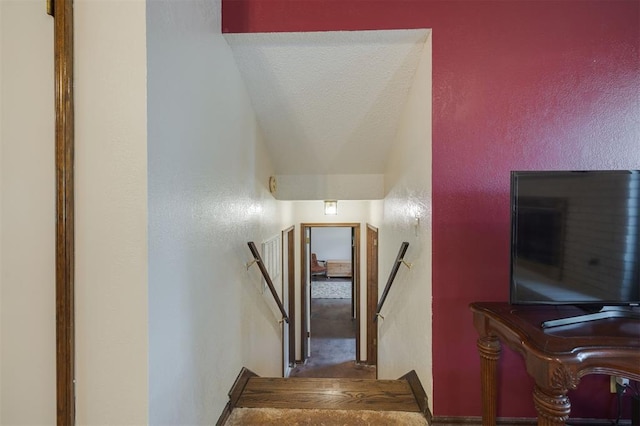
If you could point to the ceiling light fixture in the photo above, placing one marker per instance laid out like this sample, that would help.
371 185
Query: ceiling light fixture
330 207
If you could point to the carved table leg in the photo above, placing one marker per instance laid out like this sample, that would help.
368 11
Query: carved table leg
553 407
489 349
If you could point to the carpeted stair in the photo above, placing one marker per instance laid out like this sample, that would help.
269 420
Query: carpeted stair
257 400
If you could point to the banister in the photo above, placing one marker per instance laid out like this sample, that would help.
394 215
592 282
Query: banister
258 260
394 271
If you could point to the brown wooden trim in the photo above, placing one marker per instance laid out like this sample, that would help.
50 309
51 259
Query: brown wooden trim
304 297
224 416
239 385
332 225
419 394
291 289
372 294
234 394
64 148
373 228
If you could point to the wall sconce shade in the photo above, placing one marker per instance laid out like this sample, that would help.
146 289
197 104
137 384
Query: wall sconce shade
331 207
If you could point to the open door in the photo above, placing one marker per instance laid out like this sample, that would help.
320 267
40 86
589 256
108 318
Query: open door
355 282
305 287
292 297
305 319
372 295
288 289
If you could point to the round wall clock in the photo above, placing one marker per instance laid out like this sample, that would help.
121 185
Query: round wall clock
272 184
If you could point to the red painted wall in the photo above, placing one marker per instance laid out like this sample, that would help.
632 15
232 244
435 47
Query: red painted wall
516 85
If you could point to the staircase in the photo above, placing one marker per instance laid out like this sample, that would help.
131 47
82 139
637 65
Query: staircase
262 401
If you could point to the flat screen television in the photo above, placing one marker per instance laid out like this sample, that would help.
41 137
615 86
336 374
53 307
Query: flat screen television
575 240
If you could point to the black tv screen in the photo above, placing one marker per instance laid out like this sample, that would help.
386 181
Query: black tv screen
575 237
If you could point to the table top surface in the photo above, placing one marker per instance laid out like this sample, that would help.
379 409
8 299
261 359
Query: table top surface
526 320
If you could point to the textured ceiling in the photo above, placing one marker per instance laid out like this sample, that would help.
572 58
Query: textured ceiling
328 102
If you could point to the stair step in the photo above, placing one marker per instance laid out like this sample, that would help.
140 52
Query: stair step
267 401
337 394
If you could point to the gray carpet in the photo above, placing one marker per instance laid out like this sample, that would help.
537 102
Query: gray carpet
331 290
279 417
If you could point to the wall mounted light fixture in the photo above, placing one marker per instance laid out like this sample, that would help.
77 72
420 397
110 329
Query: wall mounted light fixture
414 217
331 207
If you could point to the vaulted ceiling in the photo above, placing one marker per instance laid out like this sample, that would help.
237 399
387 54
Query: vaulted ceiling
328 103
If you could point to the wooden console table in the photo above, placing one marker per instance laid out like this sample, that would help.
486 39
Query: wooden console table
338 268
556 357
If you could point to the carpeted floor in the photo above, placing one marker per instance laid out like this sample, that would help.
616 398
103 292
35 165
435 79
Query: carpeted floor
331 289
273 416
333 343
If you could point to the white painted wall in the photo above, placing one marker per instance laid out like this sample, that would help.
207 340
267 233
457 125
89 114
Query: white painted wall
111 212
331 243
27 215
405 334
330 187
208 172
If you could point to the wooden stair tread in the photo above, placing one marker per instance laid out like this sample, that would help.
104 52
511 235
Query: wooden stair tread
337 394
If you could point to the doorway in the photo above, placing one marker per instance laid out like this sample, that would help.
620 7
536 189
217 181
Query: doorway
331 297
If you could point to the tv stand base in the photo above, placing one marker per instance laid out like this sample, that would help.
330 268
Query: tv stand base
555 361
604 313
